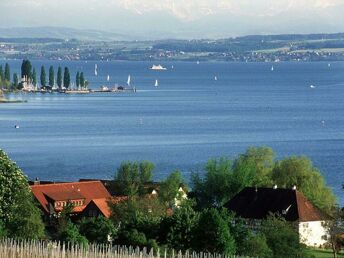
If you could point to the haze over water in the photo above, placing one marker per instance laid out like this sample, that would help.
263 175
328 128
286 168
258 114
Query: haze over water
180 125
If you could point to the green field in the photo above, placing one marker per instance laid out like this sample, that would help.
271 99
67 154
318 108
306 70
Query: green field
323 253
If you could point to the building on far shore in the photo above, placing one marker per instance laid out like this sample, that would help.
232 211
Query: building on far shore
255 204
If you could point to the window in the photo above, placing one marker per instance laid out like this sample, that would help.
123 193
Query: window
325 237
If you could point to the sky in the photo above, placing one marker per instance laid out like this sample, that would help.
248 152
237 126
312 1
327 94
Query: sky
179 18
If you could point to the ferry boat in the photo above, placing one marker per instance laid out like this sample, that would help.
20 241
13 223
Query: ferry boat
158 67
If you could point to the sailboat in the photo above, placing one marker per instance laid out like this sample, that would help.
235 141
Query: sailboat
95 70
272 68
129 79
108 78
215 78
156 83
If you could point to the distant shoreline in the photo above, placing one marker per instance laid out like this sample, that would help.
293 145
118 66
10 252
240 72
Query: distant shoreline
12 101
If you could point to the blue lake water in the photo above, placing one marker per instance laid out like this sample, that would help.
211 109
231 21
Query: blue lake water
188 119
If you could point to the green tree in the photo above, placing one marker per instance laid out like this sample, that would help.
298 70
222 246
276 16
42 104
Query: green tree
51 76
177 231
255 245
66 78
59 77
169 188
281 237
132 176
77 80
3 232
18 213
34 77
15 81
43 76
72 235
82 80
26 68
214 189
2 75
300 172
97 230
7 72
212 234
253 168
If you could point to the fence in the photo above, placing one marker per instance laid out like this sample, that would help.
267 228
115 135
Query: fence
10 248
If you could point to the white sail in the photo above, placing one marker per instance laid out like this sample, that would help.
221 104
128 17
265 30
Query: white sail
95 70
129 79
272 68
215 78
156 83
108 78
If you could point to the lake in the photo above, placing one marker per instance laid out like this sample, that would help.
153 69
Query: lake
188 119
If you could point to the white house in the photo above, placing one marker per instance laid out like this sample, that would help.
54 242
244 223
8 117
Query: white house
256 204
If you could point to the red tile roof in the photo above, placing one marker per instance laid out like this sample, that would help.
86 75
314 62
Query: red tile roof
103 204
70 194
70 191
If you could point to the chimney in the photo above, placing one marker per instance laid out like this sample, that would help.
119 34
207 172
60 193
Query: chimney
36 182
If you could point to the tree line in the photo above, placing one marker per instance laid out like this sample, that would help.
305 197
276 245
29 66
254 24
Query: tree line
168 221
62 79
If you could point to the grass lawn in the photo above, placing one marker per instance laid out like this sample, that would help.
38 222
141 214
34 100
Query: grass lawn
323 253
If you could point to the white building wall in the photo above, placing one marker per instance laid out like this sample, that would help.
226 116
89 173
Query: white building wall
313 233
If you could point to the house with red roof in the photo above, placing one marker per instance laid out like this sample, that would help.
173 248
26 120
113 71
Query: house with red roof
255 204
89 199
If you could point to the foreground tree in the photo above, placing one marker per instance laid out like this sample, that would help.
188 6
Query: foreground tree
214 189
253 168
177 231
18 213
132 176
169 188
212 234
300 172
97 230
281 237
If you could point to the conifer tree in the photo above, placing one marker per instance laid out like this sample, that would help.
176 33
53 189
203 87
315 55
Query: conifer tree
82 80
2 75
51 76
34 77
59 77
15 81
77 79
26 68
43 76
7 73
66 78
